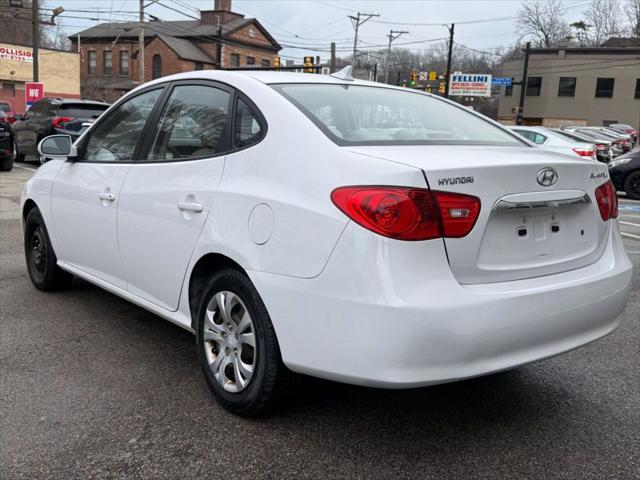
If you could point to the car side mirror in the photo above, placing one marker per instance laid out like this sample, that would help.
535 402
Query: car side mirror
56 147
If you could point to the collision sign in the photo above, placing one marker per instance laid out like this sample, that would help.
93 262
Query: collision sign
470 85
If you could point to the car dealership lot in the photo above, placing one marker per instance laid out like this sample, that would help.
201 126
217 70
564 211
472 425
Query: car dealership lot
91 385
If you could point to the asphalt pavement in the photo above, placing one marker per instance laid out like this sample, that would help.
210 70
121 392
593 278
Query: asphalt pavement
92 386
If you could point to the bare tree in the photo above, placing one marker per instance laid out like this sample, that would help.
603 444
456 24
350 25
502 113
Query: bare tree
604 18
543 21
632 12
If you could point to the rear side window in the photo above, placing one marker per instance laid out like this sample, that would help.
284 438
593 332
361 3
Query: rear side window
81 111
192 124
248 130
363 115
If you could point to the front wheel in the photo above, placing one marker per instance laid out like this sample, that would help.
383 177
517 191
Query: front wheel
237 345
17 156
632 185
42 263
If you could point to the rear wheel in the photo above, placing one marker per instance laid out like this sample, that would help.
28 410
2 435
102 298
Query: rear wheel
42 264
237 346
6 164
17 156
632 185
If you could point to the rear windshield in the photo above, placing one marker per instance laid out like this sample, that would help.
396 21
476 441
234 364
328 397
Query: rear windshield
82 111
363 115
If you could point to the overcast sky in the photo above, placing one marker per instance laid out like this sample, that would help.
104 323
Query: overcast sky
318 22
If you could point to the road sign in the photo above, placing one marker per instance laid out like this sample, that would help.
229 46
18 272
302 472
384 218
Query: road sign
433 75
502 81
33 91
470 85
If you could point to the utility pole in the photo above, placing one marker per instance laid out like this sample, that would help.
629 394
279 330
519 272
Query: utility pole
393 35
523 85
141 43
35 38
332 65
356 21
449 60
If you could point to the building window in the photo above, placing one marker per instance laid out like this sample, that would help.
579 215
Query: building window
156 66
508 90
251 60
124 63
8 90
92 62
567 87
107 63
266 63
604 87
534 85
235 60
199 66
637 95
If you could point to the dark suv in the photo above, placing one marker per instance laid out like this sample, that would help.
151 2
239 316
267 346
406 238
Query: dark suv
51 116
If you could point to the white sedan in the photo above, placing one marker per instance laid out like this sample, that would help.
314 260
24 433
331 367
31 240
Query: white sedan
554 141
344 229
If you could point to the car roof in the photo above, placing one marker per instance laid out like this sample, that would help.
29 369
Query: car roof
78 101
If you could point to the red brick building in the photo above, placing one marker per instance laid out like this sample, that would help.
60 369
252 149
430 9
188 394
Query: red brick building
109 51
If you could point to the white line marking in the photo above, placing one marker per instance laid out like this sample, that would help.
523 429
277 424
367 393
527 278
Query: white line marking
629 223
630 235
25 168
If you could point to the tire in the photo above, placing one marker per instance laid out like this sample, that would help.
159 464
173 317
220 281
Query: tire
42 265
255 393
17 156
6 164
632 185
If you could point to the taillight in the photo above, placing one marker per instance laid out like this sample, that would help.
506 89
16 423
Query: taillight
601 146
607 200
405 213
59 121
584 152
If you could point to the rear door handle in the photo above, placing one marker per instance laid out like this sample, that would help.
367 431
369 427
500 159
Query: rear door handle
108 196
190 206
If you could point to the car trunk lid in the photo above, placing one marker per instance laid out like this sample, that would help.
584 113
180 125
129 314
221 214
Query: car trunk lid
526 227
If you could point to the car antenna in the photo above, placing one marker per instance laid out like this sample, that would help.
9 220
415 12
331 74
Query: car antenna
344 74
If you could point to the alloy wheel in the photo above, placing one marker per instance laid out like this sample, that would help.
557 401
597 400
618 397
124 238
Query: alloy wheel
229 341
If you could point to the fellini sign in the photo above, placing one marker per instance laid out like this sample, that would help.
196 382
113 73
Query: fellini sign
16 54
470 85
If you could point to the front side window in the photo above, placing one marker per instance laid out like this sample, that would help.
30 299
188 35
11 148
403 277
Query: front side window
362 115
247 127
107 63
124 63
534 85
156 66
92 61
116 137
192 124
567 87
604 87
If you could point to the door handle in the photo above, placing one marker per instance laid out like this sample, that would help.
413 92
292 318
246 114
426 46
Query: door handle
190 206
108 196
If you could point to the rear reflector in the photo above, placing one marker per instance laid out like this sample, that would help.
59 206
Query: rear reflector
583 152
407 213
607 200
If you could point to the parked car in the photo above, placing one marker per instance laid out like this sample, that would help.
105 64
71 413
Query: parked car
625 128
625 174
596 136
623 139
6 143
550 140
51 116
6 106
317 224
604 151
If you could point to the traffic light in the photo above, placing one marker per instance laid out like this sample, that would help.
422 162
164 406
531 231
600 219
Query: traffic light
276 62
414 78
308 64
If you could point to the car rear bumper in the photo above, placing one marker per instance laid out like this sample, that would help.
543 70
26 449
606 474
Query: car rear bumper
390 314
